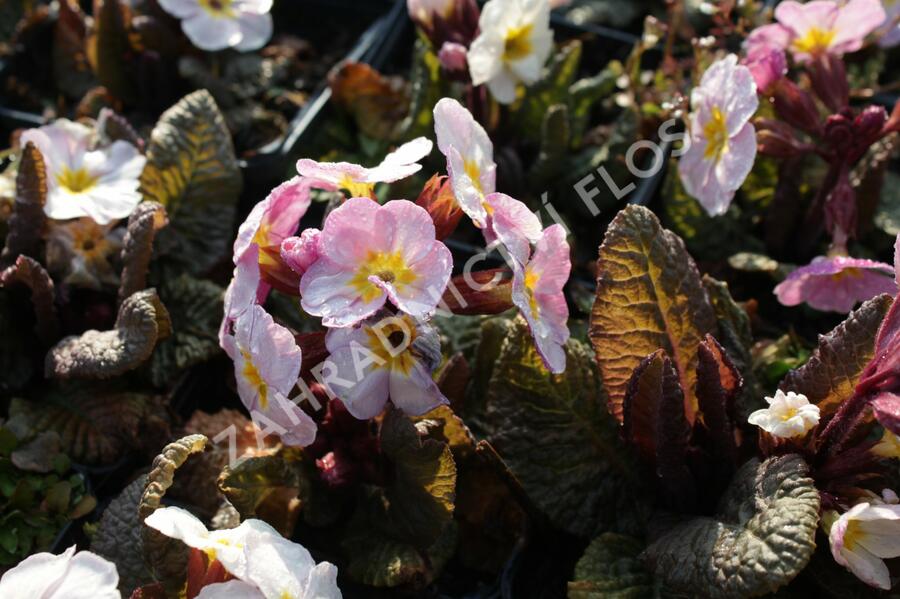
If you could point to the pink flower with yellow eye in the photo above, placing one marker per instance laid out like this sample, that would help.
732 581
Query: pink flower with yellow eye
369 254
513 225
538 294
384 357
360 181
836 284
863 537
219 24
267 364
723 141
470 157
820 27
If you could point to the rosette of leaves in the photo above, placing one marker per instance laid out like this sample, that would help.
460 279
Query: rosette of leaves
39 494
733 529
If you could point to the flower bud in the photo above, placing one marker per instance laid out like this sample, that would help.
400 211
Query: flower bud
453 58
767 65
483 292
796 107
777 139
829 80
438 199
841 210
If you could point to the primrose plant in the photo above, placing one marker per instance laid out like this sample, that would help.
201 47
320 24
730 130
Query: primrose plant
376 274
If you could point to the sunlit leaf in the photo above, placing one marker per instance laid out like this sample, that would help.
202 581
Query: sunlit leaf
649 297
28 224
555 138
142 320
192 171
254 480
831 373
555 434
166 558
763 535
377 103
552 88
611 569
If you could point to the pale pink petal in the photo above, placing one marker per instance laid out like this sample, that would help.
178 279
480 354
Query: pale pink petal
299 253
412 228
769 36
245 290
737 161
326 291
274 350
402 162
211 33
322 582
836 284
359 382
856 20
767 64
514 225
300 429
181 9
331 173
351 231
256 30
88 576
800 18
415 393
467 192
36 574
420 298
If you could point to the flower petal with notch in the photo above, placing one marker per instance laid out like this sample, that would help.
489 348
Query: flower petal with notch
836 284
371 253
470 157
863 537
69 575
723 141
360 181
514 42
538 293
213 25
99 183
386 356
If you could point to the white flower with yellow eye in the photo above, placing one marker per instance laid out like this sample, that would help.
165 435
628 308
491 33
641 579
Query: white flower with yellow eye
514 42
788 415
219 24
99 183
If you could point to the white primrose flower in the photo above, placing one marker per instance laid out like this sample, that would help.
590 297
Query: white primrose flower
265 564
98 183
69 575
866 535
514 42
788 415
219 24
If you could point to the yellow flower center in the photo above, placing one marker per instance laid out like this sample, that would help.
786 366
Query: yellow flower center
356 189
852 535
716 133
252 376
385 340
531 281
389 267
76 181
788 414
889 446
218 8
815 41
474 173
847 273
518 43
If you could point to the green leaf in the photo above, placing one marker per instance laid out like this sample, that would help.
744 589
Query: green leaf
831 373
887 215
649 297
611 569
28 224
420 499
251 480
558 440
96 425
736 337
192 171
195 307
118 537
552 88
142 320
762 537
555 138
425 91
583 94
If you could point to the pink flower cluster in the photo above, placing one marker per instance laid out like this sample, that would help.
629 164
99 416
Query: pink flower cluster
375 274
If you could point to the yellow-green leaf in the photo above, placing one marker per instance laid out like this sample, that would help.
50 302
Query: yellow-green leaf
649 297
192 171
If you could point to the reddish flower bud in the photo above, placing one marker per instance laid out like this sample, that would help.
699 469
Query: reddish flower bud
484 292
841 210
829 80
438 199
274 271
796 107
777 139
767 65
